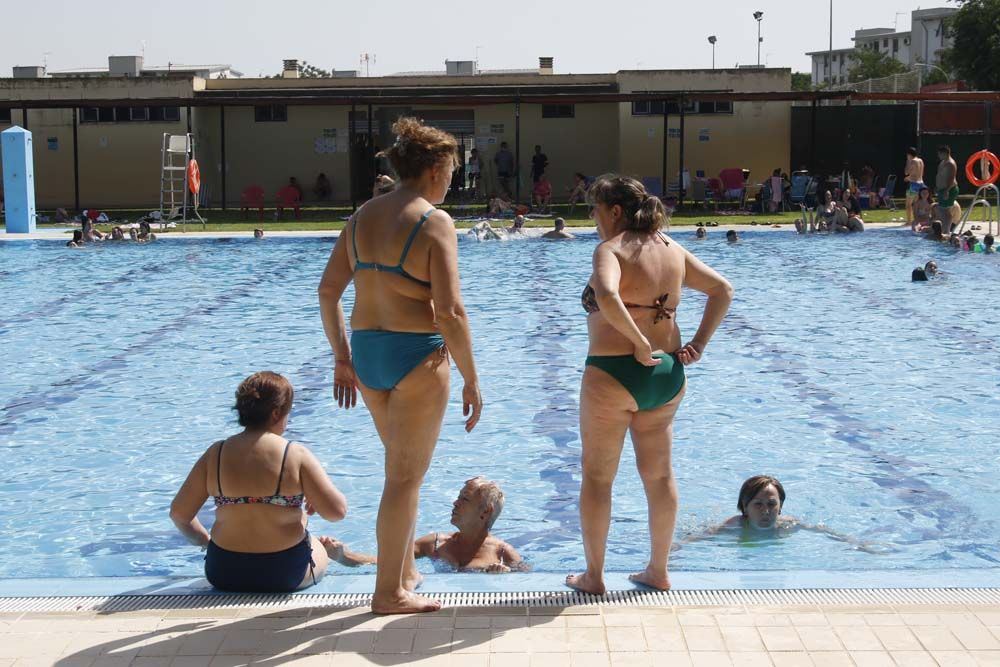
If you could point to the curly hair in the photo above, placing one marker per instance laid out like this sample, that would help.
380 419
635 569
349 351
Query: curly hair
419 147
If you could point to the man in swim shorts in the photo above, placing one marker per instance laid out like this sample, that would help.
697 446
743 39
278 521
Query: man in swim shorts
946 186
913 176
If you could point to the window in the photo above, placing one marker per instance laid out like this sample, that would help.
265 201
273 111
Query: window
271 113
88 115
105 115
139 113
5 116
885 43
558 111
834 57
655 108
164 114
895 45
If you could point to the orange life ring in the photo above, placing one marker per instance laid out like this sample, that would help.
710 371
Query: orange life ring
194 177
990 176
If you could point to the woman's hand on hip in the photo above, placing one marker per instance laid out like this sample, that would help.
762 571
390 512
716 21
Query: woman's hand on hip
644 354
472 405
345 384
690 353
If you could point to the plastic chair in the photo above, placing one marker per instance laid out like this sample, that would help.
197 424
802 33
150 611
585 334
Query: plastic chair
288 197
800 183
885 194
252 197
733 185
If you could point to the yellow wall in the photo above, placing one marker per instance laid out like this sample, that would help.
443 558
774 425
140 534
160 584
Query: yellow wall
267 154
756 136
120 163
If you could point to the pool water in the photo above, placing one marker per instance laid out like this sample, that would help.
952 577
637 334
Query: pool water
872 398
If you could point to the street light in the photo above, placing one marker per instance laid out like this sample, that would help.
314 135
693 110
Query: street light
759 15
712 40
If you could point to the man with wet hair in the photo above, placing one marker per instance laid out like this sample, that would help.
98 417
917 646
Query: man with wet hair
472 548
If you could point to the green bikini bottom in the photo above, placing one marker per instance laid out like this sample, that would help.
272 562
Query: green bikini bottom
650 386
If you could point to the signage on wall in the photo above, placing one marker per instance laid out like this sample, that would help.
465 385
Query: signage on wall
53 143
704 134
496 128
674 133
650 132
325 145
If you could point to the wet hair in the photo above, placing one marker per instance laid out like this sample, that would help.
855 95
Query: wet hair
919 275
912 152
77 235
755 485
944 148
490 496
261 395
559 222
988 241
936 230
731 235
920 194
419 147
643 212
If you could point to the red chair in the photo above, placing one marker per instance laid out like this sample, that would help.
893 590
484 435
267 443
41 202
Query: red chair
733 186
289 197
252 197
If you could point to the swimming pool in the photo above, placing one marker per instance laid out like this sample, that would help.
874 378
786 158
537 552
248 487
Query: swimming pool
873 399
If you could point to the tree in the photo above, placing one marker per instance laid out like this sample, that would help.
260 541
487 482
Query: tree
871 64
976 50
801 81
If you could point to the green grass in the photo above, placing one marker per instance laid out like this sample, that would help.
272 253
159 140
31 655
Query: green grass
329 219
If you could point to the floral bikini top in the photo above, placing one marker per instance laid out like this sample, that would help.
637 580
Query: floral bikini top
277 499
589 301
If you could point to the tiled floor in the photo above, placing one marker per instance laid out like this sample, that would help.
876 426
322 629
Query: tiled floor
509 637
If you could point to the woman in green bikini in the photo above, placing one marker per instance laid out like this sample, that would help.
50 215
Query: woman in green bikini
630 384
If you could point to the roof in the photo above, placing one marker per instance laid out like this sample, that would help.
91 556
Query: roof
933 13
171 68
875 36
826 51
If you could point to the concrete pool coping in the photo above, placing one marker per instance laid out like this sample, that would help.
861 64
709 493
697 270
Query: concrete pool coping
533 582
533 232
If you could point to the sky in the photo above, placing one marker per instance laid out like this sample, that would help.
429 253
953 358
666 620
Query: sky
402 35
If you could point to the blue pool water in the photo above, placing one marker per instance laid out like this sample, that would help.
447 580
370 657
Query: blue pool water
873 399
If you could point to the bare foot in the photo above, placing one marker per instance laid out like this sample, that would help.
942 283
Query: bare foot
658 580
404 602
586 584
412 581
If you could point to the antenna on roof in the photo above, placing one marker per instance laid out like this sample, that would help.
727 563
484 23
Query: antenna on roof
142 49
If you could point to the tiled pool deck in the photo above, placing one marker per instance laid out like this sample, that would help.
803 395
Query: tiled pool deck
583 636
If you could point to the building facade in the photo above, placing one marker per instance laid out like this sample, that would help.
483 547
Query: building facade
119 120
922 44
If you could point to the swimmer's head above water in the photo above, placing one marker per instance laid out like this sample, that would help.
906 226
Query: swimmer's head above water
760 501
478 505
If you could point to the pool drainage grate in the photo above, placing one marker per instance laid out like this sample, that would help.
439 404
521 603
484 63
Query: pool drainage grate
720 598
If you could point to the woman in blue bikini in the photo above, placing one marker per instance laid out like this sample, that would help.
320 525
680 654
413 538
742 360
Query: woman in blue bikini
402 254
629 384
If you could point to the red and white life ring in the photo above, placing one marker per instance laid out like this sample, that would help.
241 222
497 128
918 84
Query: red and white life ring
194 177
990 175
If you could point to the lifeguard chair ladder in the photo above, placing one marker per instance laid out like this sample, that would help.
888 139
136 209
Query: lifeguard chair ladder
176 155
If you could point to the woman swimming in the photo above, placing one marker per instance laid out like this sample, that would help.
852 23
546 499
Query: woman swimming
259 541
402 254
629 383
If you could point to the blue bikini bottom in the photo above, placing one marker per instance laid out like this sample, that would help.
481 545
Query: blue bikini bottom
383 358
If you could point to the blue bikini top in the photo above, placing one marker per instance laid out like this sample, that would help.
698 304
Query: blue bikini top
398 268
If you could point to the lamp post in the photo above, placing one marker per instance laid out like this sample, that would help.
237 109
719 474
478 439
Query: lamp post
712 40
759 15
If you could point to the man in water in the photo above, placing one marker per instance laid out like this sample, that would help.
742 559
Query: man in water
559 232
913 176
946 185
473 548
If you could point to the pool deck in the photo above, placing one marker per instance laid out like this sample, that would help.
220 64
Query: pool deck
680 232
580 636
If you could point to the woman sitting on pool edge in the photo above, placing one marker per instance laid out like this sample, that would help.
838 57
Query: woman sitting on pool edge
760 503
259 542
